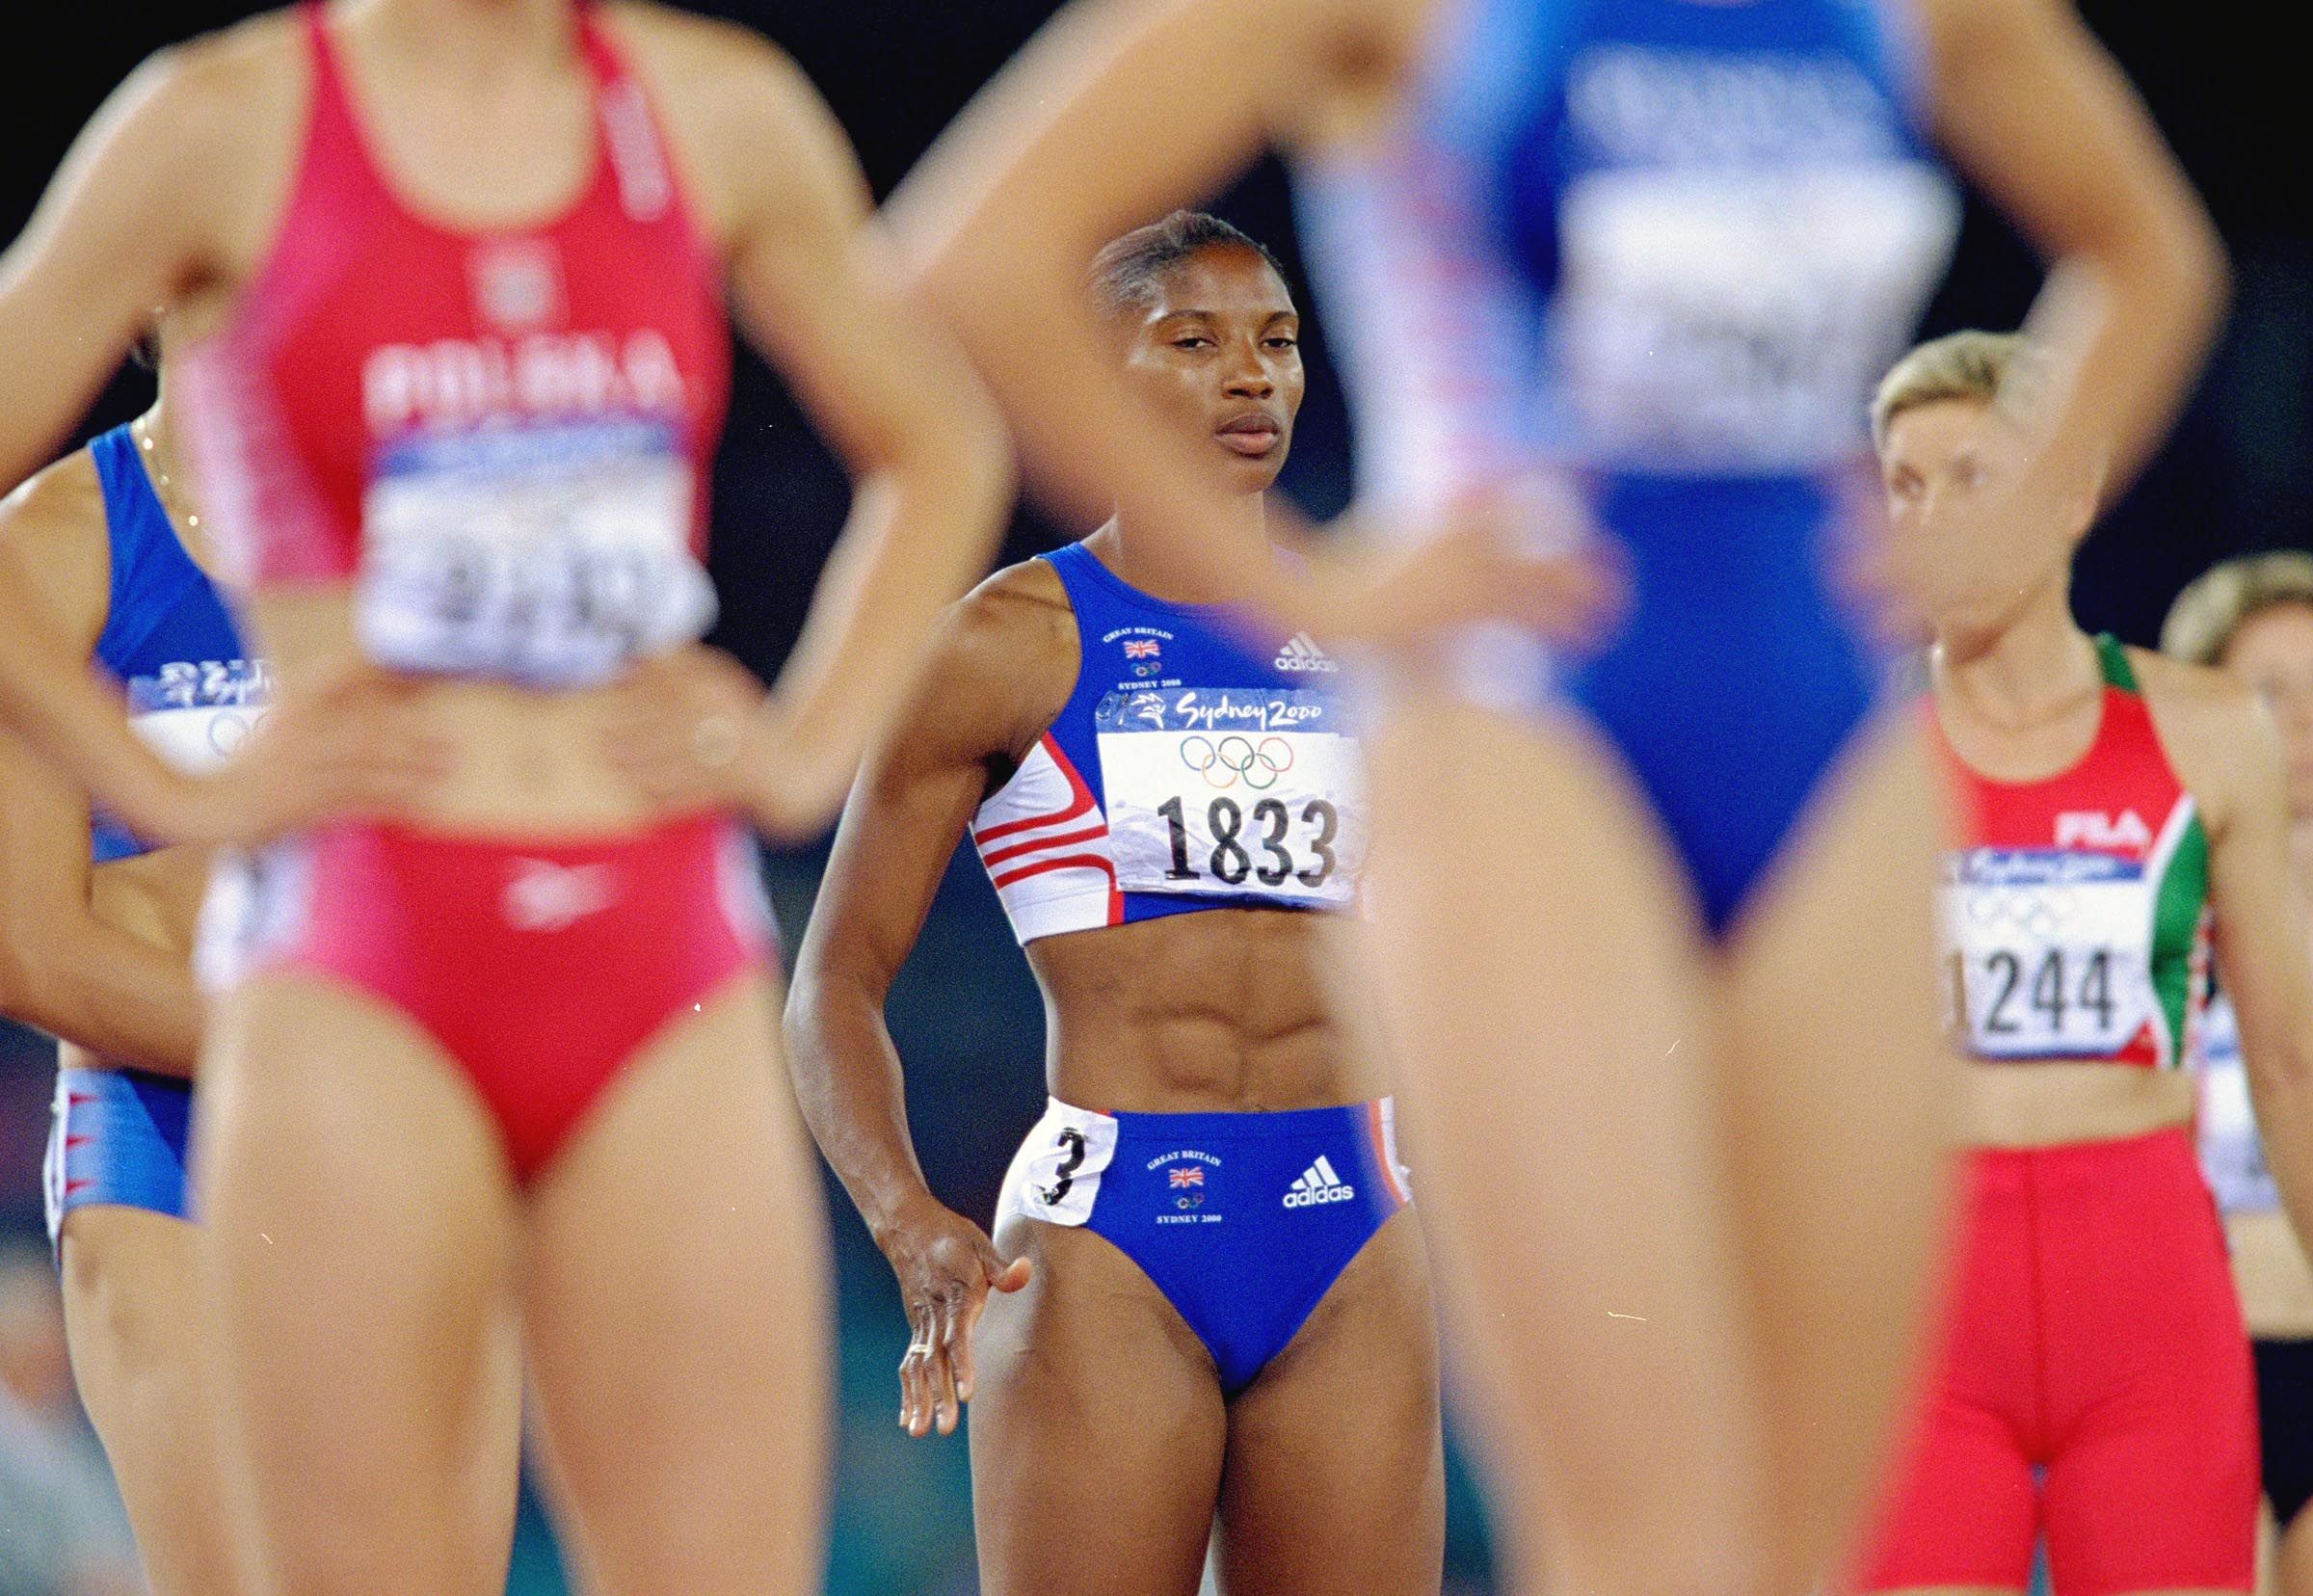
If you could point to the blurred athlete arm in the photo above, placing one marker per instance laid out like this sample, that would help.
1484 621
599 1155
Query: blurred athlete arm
1002 668
2033 110
132 221
116 235
61 968
930 466
1117 112
2260 931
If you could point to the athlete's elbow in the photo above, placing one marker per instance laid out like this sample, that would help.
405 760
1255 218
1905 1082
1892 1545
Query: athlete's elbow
27 969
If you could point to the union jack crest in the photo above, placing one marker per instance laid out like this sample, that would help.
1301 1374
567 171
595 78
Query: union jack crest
1191 1176
1140 647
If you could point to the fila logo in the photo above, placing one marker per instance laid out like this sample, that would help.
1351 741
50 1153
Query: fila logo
2095 829
1301 654
1319 1184
542 896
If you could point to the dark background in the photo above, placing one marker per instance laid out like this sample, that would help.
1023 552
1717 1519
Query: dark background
2237 476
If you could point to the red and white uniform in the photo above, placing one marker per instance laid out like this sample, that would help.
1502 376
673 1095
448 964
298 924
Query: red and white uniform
2092 1387
501 439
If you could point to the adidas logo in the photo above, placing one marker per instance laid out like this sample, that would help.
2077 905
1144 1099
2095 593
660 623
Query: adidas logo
1319 1184
1301 654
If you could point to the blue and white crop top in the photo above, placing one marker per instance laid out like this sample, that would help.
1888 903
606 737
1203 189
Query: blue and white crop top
1188 770
193 692
2232 1155
1659 237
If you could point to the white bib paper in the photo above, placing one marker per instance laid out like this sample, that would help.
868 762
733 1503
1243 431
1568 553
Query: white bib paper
1732 318
2049 952
546 554
1232 791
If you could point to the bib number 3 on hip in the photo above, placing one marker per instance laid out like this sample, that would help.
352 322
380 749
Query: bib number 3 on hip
549 555
1222 791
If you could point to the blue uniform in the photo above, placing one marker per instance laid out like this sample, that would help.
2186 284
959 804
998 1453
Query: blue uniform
118 1135
1656 253
1195 767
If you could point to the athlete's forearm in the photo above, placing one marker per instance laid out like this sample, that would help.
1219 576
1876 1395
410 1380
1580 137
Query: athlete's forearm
103 989
72 717
853 1091
2280 1084
920 531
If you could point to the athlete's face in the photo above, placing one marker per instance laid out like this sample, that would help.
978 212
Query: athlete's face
1966 549
2273 651
1219 347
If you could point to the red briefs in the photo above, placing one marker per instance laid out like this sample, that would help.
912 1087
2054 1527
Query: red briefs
2094 1336
541 967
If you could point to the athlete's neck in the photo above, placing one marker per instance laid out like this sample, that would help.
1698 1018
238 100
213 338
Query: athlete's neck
1248 524
2035 669
473 39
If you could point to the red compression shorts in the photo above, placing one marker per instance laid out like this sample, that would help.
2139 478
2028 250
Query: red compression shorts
2093 1335
539 966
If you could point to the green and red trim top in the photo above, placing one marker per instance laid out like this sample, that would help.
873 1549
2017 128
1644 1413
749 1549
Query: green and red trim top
2075 917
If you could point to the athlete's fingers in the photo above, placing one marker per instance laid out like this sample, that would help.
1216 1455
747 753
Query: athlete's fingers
911 1404
1010 1277
962 1322
940 1366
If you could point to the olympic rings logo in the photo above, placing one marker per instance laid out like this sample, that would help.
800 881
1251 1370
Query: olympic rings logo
1234 759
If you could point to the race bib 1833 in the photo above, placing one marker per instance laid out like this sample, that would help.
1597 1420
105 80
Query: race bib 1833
1232 791
550 554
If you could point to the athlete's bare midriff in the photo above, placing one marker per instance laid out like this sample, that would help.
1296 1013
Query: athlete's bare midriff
2051 1103
1220 1011
520 761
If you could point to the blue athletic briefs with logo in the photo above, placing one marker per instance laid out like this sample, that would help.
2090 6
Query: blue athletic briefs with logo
1652 257
1243 1221
117 1137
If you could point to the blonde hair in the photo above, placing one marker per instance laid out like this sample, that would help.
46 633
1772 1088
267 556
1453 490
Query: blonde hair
1989 368
2220 601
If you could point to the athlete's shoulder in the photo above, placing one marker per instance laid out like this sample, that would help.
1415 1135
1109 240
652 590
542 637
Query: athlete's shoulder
55 538
206 84
746 120
2179 689
2217 731
1016 616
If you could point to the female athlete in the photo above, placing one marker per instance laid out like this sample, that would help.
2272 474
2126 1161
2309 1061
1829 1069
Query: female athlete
1219 1303
450 281
2094 1386
95 944
1639 960
2254 617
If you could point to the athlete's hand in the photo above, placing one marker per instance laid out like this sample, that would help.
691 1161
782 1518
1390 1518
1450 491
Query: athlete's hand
696 729
356 745
1524 552
946 1266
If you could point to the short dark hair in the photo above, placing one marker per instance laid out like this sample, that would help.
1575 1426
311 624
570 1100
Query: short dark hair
1124 274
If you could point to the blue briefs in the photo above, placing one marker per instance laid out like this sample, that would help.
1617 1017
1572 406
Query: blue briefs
117 1137
1243 1221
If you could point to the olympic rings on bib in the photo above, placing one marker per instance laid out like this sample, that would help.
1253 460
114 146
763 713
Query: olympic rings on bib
1238 758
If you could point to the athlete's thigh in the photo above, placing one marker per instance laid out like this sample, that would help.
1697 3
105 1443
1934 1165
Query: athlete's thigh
1838 1091
1336 1473
131 1289
1543 985
677 1306
1096 1428
359 1239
